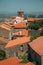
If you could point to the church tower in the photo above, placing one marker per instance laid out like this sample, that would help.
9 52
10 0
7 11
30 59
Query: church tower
20 13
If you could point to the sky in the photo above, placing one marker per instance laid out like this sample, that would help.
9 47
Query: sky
26 5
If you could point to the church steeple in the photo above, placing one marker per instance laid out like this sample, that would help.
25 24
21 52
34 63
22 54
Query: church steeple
20 12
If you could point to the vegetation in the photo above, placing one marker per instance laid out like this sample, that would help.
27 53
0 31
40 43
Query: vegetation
36 24
2 54
34 36
34 62
24 59
40 22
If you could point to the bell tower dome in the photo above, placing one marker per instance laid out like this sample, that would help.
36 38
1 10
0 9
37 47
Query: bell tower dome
20 13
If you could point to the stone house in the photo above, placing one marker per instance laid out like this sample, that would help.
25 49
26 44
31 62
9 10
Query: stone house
3 42
20 33
17 47
19 26
5 31
36 50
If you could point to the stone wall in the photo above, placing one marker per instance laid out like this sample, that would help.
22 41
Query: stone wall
42 60
17 51
35 56
32 32
5 33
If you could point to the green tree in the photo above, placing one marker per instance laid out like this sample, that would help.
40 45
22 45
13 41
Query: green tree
40 22
34 62
34 36
24 59
34 26
2 54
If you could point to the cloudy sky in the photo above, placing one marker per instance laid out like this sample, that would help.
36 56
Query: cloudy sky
26 5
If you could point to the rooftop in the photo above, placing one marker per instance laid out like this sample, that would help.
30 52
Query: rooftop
18 41
33 19
21 33
20 25
37 45
5 26
13 61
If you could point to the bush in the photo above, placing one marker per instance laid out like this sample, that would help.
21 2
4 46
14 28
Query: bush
34 36
34 26
24 59
2 54
34 62
40 22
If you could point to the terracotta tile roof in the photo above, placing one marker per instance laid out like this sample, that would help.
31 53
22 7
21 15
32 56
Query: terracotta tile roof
6 23
5 26
21 33
13 61
10 61
38 18
30 63
18 41
14 18
31 19
37 45
20 25
34 19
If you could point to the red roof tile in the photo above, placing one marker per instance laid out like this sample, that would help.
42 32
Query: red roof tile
10 61
5 26
13 61
21 33
20 25
18 41
31 19
37 45
34 19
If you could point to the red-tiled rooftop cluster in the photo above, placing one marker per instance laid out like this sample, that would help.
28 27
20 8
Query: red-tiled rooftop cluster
5 26
13 61
37 45
21 33
34 19
20 25
18 41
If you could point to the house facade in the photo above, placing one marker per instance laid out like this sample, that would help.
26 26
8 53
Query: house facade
17 51
36 50
17 47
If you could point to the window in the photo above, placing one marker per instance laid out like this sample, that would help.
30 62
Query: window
21 48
